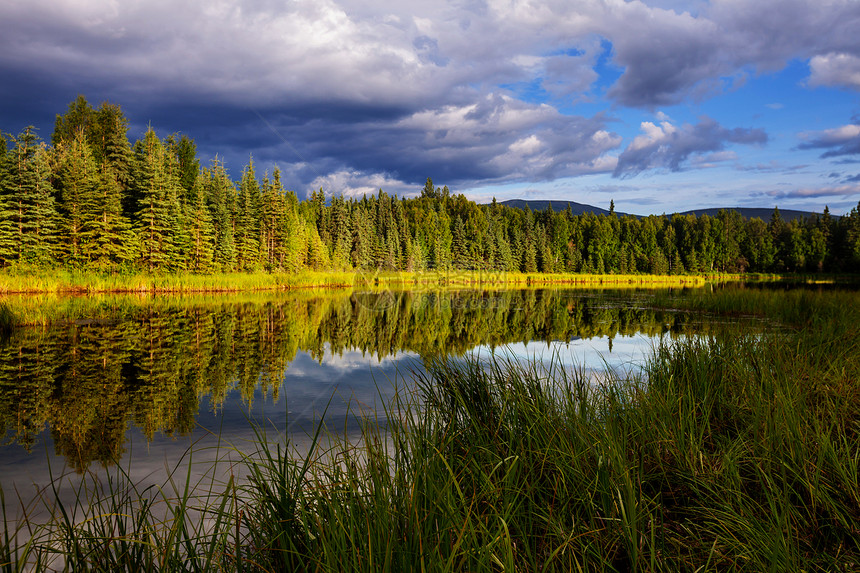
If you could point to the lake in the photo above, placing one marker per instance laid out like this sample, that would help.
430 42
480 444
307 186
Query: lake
153 385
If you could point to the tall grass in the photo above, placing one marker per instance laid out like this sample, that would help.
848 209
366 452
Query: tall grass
66 281
737 452
112 524
69 281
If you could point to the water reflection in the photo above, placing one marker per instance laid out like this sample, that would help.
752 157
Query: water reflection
144 371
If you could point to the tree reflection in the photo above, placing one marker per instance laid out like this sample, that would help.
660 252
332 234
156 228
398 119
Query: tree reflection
152 361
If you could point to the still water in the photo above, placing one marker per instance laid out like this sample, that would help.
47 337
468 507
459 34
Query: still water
152 384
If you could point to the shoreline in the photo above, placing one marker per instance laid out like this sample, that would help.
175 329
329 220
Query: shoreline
74 283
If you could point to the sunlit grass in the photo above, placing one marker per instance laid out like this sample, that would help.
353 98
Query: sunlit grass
66 281
69 281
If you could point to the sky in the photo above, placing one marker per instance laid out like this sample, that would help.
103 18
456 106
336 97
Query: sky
660 106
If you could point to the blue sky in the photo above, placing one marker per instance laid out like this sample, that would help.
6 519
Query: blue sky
661 106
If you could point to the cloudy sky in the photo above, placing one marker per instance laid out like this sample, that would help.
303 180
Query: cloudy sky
663 105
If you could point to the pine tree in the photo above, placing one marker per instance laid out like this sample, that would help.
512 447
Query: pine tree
458 244
201 256
189 165
342 233
248 214
404 237
156 217
271 207
7 230
28 215
183 204
529 260
78 117
295 234
79 185
362 257
220 193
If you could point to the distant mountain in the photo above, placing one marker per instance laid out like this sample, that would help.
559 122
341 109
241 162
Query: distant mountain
559 205
580 208
760 212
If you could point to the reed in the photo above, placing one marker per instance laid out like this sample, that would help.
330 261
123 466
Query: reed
68 281
736 452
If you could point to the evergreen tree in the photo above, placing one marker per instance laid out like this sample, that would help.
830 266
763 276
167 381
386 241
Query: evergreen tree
342 234
28 215
220 194
275 224
248 215
7 227
458 244
362 238
157 190
182 205
757 245
202 232
851 234
530 258
296 234
320 215
79 184
189 165
79 117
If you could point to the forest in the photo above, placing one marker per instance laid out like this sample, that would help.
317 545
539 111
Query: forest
92 200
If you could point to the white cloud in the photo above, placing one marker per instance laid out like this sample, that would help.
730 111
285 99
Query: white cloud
713 159
815 192
669 146
357 184
843 140
835 70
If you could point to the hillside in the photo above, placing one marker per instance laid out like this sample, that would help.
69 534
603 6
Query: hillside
763 213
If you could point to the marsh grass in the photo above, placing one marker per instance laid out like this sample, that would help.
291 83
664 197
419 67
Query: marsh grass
83 281
68 281
106 522
737 452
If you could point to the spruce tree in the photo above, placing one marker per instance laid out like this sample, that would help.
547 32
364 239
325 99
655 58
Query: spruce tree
220 194
342 233
181 206
189 165
80 203
362 238
458 244
155 220
248 214
79 117
295 234
7 228
28 215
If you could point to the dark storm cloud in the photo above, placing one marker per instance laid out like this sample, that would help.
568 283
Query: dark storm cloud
361 92
667 146
495 139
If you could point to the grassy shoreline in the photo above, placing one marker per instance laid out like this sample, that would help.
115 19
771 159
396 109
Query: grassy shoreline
40 299
737 452
72 282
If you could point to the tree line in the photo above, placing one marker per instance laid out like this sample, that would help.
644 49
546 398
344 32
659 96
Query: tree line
92 200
